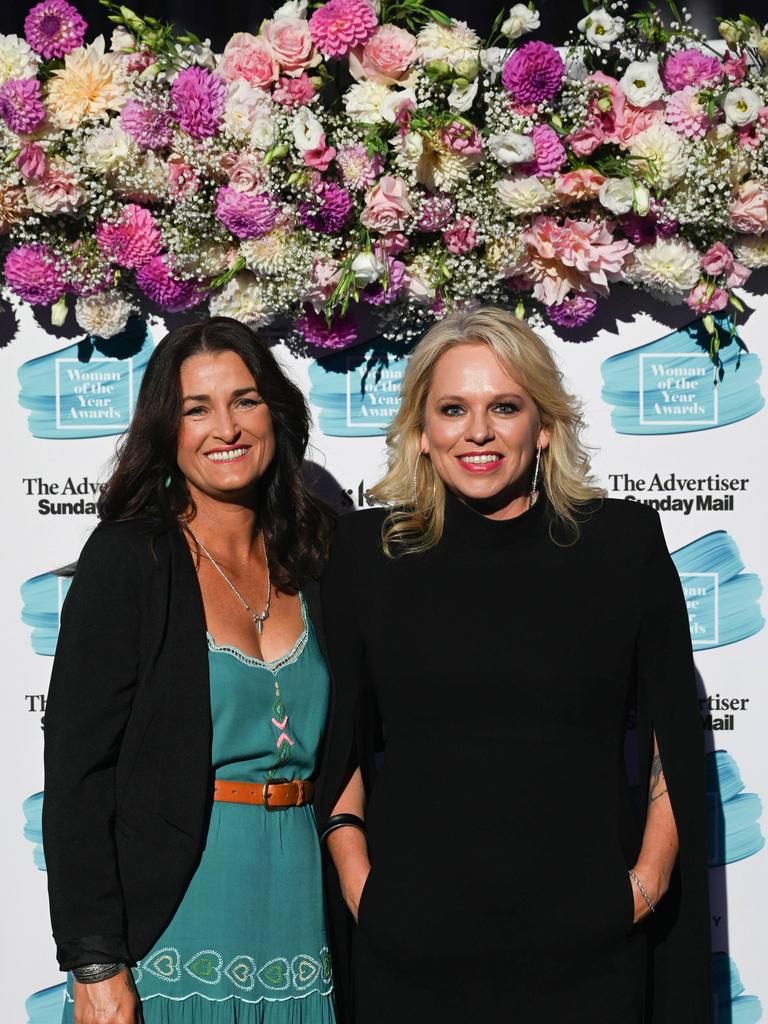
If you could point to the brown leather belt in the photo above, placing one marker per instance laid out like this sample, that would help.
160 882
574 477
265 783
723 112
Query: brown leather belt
272 796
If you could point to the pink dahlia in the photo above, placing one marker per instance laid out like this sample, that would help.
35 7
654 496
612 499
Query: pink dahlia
133 240
53 28
690 67
331 214
294 92
377 294
461 236
316 331
572 312
359 170
20 105
31 272
550 152
459 138
340 25
157 282
435 213
148 125
246 214
533 73
198 99
686 114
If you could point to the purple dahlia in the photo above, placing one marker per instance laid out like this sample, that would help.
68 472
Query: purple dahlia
31 272
53 28
533 73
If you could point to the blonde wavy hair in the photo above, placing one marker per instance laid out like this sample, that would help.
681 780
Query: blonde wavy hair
411 487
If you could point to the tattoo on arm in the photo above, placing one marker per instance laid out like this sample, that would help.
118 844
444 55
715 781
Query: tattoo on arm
657 780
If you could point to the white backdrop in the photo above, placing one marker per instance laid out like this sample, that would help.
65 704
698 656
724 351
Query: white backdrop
661 434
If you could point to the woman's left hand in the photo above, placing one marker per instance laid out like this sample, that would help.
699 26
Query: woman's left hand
654 886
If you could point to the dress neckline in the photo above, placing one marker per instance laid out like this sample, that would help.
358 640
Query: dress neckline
463 523
276 663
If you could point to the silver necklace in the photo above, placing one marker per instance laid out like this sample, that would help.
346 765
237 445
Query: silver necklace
257 617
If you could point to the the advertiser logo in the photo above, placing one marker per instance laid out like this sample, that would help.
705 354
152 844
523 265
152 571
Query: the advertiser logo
732 1006
41 601
722 599
46 1006
733 816
33 827
353 397
668 386
72 397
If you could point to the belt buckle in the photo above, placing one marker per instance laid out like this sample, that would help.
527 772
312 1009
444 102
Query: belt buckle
273 782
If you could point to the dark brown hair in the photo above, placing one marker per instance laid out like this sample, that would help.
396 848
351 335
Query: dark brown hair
146 481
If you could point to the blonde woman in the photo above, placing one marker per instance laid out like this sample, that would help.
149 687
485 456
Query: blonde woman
499 618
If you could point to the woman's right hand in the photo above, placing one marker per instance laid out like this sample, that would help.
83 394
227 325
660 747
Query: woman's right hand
353 882
114 1001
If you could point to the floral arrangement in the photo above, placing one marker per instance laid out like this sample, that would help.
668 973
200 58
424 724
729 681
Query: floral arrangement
367 164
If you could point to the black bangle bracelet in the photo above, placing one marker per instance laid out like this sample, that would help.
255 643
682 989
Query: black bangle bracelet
89 974
339 821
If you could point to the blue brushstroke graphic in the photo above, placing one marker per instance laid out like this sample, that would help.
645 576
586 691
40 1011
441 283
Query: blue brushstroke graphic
733 816
666 386
33 827
42 598
45 1006
731 1007
356 397
722 600
82 392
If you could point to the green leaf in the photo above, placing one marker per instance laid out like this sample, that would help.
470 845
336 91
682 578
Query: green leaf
227 276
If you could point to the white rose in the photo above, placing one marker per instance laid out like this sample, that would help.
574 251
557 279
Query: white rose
521 19
244 104
367 268
121 40
263 132
461 97
493 59
600 28
741 106
103 315
292 9
391 103
105 148
410 149
641 83
363 101
307 130
512 148
616 195
17 59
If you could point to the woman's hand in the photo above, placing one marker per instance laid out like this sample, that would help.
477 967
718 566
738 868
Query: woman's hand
353 880
114 1001
655 884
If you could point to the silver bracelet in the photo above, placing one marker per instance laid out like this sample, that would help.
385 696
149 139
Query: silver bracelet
643 891
91 973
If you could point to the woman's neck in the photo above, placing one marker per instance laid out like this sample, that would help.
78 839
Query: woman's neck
226 527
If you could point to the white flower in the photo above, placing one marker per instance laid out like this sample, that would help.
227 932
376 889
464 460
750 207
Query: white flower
492 60
244 104
669 268
292 9
410 149
263 132
521 19
200 55
419 279
307 130
665 153
103 315
122 41
363 101
106 148
741 106
208 260
367 268
617 194
438 42
752 251
271 253
600 28
433 165
524 195
17 59
641 83
512 148
243 299
391 103
461 97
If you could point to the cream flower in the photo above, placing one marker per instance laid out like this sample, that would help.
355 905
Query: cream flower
103 315
420 279
525 195
207 260
752 251
89 85
512 148
108 147
669 268
245 104
641 83
617 195
269 253
521 20
741 106
438 42
243 299
433 164
461 97
16 59
662 152
600 28
364 100
307 130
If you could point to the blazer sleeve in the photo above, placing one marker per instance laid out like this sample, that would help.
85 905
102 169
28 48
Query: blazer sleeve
679 931
89 702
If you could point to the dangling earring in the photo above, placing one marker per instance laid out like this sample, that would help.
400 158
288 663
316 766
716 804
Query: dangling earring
415 480
534 486
167 482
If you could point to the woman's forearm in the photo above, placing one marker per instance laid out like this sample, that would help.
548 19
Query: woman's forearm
660 843
348 846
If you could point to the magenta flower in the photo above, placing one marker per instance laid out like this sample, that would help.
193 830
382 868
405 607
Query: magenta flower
533 73
639 230
31 272
340 25
246 214
377 294
198 99
334 206
573 312
133 240
340 334
157 282
148 125
550 152
53 28
461 236
690 67
460 139
294 92
20 105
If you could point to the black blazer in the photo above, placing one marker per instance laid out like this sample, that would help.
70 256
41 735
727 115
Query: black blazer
128 776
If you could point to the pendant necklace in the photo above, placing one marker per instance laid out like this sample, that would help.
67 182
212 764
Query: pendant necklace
258 618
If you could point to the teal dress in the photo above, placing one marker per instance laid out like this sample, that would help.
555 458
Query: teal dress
248 942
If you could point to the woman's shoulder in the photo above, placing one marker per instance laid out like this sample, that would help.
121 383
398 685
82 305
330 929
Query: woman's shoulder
629 523
124 540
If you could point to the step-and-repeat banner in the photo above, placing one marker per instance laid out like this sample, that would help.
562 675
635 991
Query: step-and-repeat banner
662 434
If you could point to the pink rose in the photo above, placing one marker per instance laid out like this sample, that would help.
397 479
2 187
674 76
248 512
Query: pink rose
703 299
583 183
182 179
387 207
294 92
633 120
56 191
246 56
748 212
31 162
461 236
321 156
718 259
246 173
290 44
386 56
586 139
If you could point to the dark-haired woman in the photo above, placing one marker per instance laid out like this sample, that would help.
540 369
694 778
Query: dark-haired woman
186 707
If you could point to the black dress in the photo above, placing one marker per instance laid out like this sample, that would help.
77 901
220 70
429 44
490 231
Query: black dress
503 668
